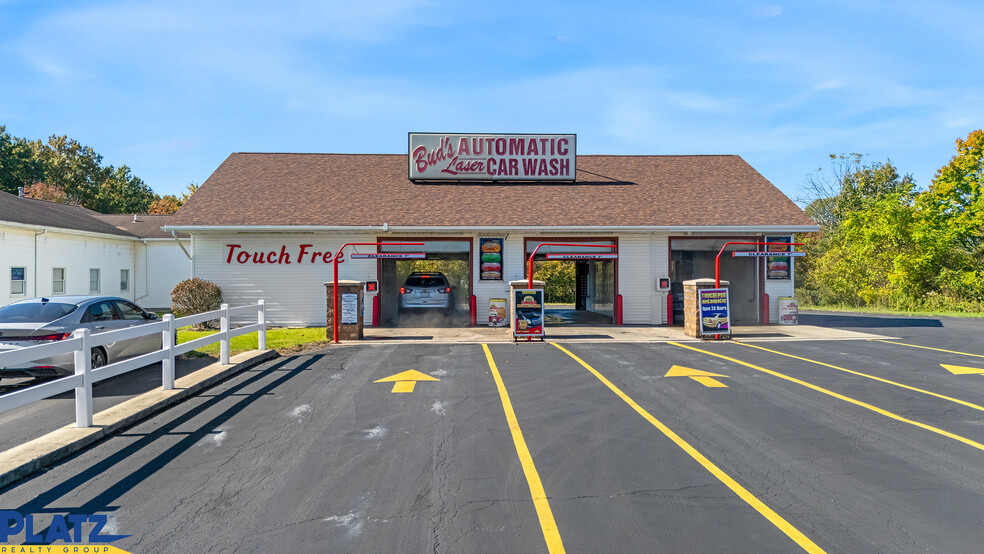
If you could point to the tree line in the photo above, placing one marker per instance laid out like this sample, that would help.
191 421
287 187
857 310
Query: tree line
63 170
885 243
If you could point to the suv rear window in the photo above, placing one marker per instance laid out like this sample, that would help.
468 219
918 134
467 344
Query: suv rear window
427 281
35 312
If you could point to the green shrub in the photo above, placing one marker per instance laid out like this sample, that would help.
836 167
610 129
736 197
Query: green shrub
194 296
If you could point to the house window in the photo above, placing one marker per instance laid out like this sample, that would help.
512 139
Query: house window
18 280
93 281
58 280
124 280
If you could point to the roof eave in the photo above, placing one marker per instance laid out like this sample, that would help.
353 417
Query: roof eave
68 230
495 228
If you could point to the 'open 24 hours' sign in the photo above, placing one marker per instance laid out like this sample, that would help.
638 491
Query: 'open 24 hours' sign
714 315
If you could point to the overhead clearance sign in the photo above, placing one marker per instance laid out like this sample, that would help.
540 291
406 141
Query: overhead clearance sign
484 157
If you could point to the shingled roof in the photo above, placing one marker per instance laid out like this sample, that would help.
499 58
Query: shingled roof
144 226
29 211
371 189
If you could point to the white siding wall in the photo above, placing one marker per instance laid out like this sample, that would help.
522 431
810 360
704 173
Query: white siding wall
636 283
294 293
16 250
160 265
775 289
660 248
75 253
512 270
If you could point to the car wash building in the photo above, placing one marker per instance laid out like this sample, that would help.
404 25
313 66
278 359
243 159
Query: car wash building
269 225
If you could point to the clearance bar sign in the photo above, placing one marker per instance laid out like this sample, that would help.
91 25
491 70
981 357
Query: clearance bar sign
485 157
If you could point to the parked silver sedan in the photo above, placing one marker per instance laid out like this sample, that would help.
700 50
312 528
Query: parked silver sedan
42 320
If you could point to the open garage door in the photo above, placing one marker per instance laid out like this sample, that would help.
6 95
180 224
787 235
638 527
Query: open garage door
693 258
414 293
578 291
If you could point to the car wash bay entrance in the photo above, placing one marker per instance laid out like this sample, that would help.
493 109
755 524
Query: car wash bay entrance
693 258
578 291
450 257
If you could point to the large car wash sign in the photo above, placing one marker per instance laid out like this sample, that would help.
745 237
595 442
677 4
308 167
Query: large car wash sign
477 157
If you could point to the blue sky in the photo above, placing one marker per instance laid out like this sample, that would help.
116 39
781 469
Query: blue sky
170 88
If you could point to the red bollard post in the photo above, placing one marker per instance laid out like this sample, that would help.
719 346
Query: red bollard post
473 309
618 310
375 311
765 309
669 309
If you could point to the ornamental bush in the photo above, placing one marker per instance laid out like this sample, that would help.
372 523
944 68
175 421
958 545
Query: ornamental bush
194 296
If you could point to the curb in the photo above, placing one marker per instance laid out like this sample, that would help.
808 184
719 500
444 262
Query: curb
24 460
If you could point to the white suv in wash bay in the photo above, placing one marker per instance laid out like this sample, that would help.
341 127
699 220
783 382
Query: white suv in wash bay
427 291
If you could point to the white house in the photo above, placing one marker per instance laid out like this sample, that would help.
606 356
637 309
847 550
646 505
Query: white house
51 249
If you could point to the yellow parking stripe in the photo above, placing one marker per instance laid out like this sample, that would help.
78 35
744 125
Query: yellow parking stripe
741 491
858 373
550 532
928 348
865 405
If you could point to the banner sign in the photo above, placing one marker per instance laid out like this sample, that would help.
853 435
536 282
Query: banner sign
746 254
388 256
498 316
779 267
491 157
714 315
529 313
582 256
491 269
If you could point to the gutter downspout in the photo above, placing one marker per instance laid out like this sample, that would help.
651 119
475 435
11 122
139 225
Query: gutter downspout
41 232
177 240
146 274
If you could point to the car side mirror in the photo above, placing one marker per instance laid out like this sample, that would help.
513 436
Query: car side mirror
152 315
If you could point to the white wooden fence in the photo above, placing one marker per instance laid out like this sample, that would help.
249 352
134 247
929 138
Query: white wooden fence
81 343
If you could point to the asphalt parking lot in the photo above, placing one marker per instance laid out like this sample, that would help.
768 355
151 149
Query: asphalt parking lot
765 446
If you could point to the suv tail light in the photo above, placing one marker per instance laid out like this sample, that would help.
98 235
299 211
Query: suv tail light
445 290
405 290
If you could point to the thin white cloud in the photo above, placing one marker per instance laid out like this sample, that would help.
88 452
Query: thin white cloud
767 10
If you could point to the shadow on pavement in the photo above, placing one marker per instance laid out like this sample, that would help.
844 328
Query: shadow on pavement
851 320
124 483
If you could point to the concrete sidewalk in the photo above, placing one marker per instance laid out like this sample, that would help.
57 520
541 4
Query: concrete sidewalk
25 459
602 333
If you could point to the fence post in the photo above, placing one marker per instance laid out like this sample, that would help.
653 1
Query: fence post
261 319
224 334
83 367
167 343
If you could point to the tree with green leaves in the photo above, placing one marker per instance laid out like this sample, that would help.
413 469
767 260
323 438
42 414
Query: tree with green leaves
952 219
884 243
18 166
120 192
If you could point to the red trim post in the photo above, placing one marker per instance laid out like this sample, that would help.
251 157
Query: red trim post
564 244
473 310
717 259
618 309
765 309
669 309
334 285
375 310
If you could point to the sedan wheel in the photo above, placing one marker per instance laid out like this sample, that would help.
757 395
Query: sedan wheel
98 358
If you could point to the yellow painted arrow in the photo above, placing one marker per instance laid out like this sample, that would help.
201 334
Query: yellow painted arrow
703 377
961 370
404 382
